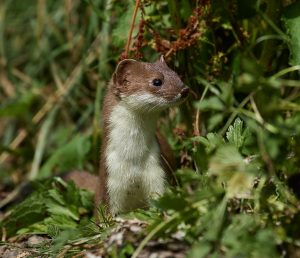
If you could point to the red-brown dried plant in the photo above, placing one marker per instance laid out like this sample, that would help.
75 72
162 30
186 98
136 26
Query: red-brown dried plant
186 37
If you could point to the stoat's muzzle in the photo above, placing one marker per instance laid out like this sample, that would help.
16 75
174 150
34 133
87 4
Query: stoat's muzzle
184 92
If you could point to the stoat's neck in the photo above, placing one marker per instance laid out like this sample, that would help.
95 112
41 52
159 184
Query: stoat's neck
129 126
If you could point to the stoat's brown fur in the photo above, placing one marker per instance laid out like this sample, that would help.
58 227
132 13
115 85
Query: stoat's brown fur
131 168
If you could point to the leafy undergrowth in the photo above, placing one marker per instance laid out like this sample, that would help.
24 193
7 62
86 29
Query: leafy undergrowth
236 139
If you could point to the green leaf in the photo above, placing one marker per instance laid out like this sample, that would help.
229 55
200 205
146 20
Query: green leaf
216 220
120 32
236 134
212 103
226 161
57 209
126 251
200 250
54 204
215 120
63 237
170 201
17 107
246 231
240 185
291 20
231 169
30 211
211 141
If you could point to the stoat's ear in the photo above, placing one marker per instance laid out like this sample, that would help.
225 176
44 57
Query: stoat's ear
122 70
161 61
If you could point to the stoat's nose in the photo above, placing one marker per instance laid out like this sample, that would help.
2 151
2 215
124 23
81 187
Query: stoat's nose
184 92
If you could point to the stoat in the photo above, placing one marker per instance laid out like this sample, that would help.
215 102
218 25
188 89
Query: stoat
131 168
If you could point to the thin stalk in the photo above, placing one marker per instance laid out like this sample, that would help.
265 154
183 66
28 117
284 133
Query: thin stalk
285 71
105 38
41 144
272 17
2 38
234 114
197 120
137 3
152 233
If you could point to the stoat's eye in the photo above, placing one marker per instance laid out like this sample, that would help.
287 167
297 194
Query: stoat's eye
157 82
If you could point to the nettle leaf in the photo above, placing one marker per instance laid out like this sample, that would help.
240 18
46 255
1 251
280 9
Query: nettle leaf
291 20
56 196
226 161
230 168
57 209
240 185
65 200
237 134
211 141
50 205
25 214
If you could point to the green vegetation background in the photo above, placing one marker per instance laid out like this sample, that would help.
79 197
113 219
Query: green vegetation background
237 138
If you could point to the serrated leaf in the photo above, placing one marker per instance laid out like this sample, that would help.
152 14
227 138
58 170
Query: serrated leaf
229 166
240 185
226 161
246 231
56 196
211 141
57 209
51 205
28 212
237 134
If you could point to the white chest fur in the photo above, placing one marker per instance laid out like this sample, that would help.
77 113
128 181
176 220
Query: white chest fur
133 160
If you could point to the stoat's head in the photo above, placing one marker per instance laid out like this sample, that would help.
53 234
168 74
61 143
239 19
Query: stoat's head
148 86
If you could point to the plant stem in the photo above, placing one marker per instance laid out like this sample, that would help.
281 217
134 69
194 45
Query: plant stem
137 3
273 14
